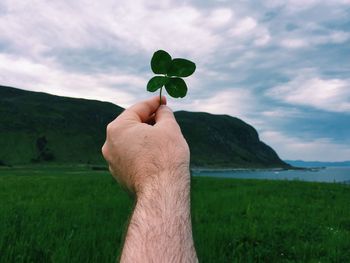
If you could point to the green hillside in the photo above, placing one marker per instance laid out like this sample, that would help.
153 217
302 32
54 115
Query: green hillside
38 127
74 129
225 141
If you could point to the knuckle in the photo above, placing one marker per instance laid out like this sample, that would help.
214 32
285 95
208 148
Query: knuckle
104 151
109 128
112 128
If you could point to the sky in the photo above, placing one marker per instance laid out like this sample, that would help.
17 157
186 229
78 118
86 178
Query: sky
281 66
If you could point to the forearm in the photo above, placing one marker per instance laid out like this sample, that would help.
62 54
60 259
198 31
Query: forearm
160 229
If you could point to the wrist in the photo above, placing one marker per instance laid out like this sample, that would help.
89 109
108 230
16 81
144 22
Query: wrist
171 183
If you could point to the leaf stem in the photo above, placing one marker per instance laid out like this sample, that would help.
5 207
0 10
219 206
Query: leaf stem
160 96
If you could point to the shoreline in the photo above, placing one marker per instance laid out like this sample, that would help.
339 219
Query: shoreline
192 169
276 169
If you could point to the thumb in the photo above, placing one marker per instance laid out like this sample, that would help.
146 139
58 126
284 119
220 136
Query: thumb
164 115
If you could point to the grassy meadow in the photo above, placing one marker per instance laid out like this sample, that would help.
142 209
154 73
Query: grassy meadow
75 214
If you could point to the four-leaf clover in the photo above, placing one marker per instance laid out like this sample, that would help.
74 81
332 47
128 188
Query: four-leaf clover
172 71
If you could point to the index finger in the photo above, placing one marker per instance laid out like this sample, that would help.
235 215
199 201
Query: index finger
142 111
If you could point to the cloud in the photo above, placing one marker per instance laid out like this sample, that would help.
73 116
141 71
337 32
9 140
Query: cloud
295 6
233 101
293 148
311 40
313 91
244 27
249 29
23 73
220 17
282 112
62 38
294 43
137 27
132 25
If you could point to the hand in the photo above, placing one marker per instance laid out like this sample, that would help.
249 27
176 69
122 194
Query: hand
147 153
140 154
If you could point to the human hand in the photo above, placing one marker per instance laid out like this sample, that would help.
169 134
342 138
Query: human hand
153 162
140 154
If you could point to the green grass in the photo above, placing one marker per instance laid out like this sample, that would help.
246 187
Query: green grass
73 214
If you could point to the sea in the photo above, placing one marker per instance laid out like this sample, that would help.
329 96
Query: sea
325 174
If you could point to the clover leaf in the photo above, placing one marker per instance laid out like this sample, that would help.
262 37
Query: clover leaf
172 71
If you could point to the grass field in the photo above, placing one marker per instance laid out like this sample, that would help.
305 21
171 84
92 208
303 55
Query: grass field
73 214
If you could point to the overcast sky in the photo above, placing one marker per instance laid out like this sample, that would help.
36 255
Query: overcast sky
281 66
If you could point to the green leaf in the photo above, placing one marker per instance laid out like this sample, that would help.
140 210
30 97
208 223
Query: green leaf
176 87
160 62
181 68
156 83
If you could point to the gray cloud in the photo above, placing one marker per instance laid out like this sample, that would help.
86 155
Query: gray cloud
310 90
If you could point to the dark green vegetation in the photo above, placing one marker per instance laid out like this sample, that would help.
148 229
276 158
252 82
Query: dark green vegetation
225 141
38 128
172 71
74 214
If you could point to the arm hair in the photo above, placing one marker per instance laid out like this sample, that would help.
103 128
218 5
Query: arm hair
160 228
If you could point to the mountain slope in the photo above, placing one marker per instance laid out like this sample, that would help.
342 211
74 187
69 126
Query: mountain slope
74 129
222 140
38 127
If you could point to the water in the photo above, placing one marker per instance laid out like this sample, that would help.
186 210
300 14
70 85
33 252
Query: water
329 174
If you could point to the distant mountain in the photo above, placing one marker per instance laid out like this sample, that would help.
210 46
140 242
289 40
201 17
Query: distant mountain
299 163
38 127
225 141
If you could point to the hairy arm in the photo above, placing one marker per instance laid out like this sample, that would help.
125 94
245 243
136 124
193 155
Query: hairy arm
152 162
160 228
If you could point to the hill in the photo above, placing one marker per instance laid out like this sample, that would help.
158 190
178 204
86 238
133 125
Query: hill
37 127
225 141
